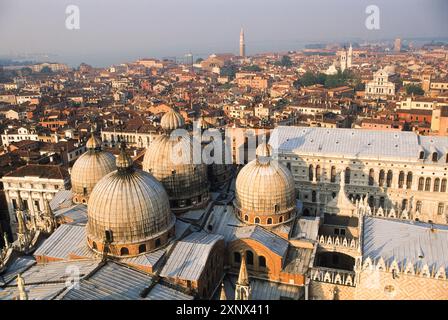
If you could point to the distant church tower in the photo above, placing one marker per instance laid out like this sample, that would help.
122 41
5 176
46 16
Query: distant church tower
346 58
349 57
242 44
242 289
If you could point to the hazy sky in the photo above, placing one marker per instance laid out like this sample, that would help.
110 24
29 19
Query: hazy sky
113 31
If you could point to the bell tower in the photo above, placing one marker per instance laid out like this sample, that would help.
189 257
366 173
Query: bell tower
242 44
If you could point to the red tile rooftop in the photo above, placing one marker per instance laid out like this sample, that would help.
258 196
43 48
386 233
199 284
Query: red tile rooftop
41 171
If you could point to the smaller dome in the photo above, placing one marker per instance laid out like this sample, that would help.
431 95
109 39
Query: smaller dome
89 168
265 191
172 120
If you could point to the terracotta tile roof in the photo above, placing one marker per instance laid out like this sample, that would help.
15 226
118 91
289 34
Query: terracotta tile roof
41 171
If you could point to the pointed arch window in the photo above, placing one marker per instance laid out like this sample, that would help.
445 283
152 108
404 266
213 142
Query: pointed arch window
371 177
428 184
311 172
381 178
390 176
347 175
443 185
401 179
421 183
409 180
333 174
436 185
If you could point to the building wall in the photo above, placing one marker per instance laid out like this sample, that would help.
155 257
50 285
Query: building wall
382 286
324 189
403 287
33 191
329 291
134 139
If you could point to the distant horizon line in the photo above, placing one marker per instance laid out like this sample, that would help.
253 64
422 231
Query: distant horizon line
65 58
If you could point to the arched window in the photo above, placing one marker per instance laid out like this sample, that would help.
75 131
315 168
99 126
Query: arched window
435 157
381 177
409 180
262 262
371 201
418 206
318 173
236 257
158 243
280 220
443 185
246 217
94 245
313 196
440 208
401 179
257 220
421 155
124 251
142 248
404 204
421 183
249 258
269 221
333 174
347 175
428 184
276 208
371 177
382 202
390 176
436 184
311 172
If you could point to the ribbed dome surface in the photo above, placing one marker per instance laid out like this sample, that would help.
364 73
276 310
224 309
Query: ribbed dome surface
260 188
168 161
89 169
264 191
172 120
132 205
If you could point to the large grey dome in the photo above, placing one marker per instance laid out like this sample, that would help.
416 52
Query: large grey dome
185 182
129 208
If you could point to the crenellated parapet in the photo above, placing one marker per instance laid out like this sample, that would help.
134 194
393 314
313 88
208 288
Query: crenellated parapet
397 268
333 276
363 208
330 241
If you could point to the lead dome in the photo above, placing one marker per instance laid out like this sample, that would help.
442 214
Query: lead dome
128 212
89 168
264 192
170 160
